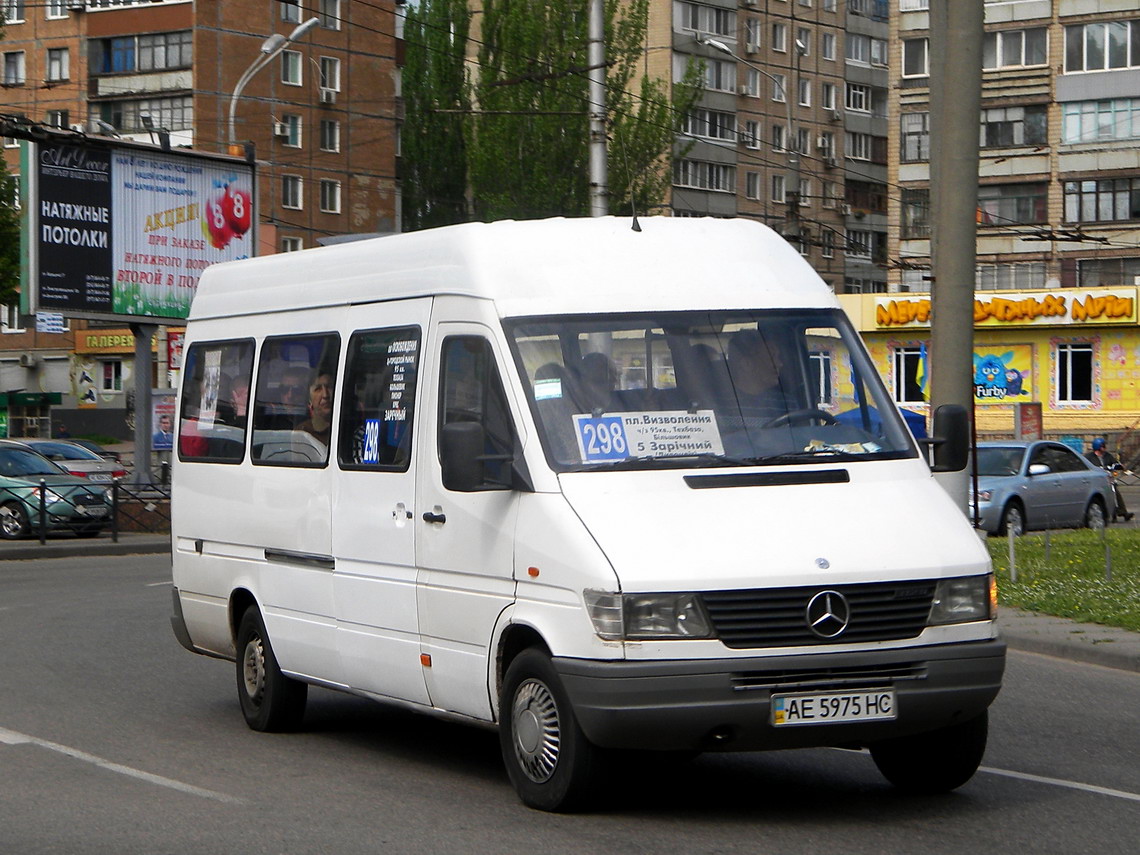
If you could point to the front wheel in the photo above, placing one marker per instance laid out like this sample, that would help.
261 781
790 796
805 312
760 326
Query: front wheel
1012 520
270 701
934 762
14 521
548 758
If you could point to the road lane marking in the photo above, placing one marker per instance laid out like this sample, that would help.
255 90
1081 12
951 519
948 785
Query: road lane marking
11 737
159 584
1059 782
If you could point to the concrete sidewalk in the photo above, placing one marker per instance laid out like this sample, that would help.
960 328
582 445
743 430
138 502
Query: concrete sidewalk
1022 630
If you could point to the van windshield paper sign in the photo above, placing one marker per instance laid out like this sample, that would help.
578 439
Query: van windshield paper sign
671 433
127 232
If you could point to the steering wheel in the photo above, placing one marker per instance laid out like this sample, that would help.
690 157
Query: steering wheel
802 416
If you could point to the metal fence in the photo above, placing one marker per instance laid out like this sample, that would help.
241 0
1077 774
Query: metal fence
83 510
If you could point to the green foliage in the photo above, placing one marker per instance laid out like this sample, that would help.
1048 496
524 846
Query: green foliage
1064 575
525 142
9 238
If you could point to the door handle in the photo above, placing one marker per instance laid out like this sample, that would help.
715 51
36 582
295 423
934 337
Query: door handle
434 518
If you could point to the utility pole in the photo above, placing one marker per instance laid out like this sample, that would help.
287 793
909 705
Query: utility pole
955 105
596 59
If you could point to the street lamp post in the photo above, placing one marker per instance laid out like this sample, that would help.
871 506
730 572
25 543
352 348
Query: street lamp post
792 191
270 48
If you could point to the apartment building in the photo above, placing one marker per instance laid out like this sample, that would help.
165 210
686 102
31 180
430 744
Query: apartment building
1058 215
792 127
321 119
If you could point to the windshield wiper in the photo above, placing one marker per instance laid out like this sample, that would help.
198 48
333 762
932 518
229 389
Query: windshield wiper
832 453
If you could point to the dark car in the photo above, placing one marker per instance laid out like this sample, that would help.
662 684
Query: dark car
70 502
1036 485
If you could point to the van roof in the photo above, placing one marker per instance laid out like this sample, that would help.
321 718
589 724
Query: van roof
533 267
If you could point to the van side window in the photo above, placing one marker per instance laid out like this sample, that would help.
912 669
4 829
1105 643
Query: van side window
379 399
293 409
215 401
472 392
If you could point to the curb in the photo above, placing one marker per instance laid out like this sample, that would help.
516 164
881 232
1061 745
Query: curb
128 544
1088 643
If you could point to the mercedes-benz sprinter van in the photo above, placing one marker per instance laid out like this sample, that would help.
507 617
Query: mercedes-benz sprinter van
600 488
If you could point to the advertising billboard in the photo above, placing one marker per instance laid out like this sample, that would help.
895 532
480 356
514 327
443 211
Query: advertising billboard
122 231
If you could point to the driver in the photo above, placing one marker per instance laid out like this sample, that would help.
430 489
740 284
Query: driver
754 363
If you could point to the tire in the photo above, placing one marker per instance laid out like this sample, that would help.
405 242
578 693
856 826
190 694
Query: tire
934 762
270 701
548 758
14 521
1013 518
1096 517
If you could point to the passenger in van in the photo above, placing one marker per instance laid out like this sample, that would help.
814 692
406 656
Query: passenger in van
598 379
319 422
754 363
287 406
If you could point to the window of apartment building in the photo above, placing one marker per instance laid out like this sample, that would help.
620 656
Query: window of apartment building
56 119
858 98
1100 201
752 31
13 11
915 57
1014 126
752 82
702 175
1074 372
860 285
1010 276
1102 46
864 50
291 244
329 14
1012 204
14 68
751 136
803 140
1092 121
158 51
780 37
291 72
827 45
779 188
172 114
290 11
914 141
330 73
752 185
907 369
805 92
866 147
11 321
804 194
1093 272
827 95
1015 48
58 64
330 196
867 196
711 124
803 41
915 214
828 5
720 76
291 192
56 9
707 19
330 135
827 243
778 137
292 126
826 144
860 243
913 5
779 88
112 379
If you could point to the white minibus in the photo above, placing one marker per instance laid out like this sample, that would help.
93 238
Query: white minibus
612 491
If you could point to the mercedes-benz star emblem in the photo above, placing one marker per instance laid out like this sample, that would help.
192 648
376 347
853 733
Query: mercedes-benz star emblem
827 614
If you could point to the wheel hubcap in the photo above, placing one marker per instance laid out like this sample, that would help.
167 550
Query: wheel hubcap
537 735
253 670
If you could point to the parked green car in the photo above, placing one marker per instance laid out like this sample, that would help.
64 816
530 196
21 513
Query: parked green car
71 503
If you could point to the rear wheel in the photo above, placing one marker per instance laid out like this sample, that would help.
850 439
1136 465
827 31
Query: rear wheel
1096 517
1013 520
548 758
13 521
934 762
270 701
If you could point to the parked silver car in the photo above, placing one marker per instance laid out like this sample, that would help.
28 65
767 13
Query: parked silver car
1036 485
76 459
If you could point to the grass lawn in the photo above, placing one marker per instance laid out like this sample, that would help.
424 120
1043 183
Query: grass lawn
1064 575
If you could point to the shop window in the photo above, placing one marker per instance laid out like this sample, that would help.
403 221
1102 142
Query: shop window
1074 372
908 374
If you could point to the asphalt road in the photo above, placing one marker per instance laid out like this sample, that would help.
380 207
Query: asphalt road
113 739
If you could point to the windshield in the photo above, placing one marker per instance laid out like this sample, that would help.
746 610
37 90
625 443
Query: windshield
684 389
17 463
1000 461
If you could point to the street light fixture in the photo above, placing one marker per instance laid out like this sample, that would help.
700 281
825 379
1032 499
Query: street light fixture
792 192
269 50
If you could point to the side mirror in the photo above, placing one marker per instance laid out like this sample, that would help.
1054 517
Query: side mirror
951 439
1039 469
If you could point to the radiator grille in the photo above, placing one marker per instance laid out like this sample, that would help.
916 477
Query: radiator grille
880 611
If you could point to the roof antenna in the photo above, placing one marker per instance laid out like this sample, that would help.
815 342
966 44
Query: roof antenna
632 207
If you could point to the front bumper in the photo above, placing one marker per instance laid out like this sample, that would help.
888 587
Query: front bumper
718 705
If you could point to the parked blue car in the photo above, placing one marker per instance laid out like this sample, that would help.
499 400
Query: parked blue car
71 503
1037 485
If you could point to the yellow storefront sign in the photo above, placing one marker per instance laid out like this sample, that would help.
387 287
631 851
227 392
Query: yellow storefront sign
1011 308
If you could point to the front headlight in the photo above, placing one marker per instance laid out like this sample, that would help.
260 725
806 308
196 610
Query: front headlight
963 600
647 616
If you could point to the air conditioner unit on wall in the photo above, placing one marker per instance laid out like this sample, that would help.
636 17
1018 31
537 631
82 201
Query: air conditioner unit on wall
328 96
28 360
280 129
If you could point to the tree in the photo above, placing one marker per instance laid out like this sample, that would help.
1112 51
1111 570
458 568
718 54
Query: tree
9 238
526 141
